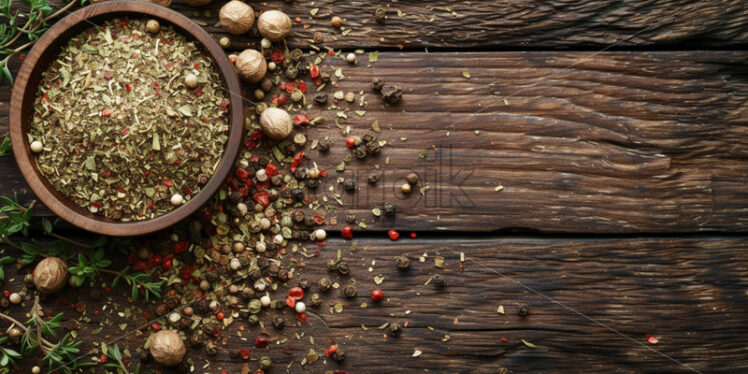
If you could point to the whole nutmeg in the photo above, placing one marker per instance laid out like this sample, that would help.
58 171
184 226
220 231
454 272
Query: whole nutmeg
276 123
197 3
236 17
274 25
251 65
167 348
51 275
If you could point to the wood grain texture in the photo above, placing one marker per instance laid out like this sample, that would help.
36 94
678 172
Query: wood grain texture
510 24
615 142
690 293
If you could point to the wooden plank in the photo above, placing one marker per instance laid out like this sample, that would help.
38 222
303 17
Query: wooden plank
618 142
690 293
468 24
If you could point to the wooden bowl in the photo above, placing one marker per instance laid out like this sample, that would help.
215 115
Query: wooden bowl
22 101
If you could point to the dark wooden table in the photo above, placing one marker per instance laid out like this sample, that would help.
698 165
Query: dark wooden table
624 205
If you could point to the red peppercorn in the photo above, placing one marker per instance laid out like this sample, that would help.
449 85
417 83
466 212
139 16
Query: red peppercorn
314 71
262 341
219 316
296 293
244 353
347 232
413 235
332 349
377 295
106 113
350 142
394 235
301 119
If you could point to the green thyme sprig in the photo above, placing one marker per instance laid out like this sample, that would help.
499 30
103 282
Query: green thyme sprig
5 149
60 356
15 220
112 352
39 15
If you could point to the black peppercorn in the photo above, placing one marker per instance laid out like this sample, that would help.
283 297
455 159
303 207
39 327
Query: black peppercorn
391 93
338 355
312 184
276 180
343 268
298 194
266 84
438 281
380 14
320 98
350 218
373 178
394 329
403 263
323 145
304 283
349 185
233 354
248 293
300 173
324 284
369 137
389 209
360 151
377 84
263 161
373 147
524 310
291 72
315 299
283 275
350 290
278 322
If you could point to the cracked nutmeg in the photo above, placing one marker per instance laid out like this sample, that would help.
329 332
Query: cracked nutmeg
51 275
167 348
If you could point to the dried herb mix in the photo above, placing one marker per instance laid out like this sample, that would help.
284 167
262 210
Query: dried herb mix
123 134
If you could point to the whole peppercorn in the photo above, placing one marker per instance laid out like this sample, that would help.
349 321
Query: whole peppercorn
342 268
377 295
312 184
278 322
336 21
274 25
373 147
315 299
291 72
338 355
188 311
349 185
403 263
389 209
438 281
394 329
373 178
304 283
350 290
320 98
266 84
324 284
406 188
524 310
276 123
412 179
380 14
391 93
152 26
15 298
190 80
28 280
265 363
51 275
236 17
248 293
211 349
376 84
360 151
15 334
318 37
224 42
251 64
323 145
167 348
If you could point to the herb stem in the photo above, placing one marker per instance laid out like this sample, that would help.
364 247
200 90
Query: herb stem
71 241
59 12
24 328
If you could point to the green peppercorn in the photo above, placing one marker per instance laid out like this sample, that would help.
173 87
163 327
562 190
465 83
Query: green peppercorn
253 319
265 363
